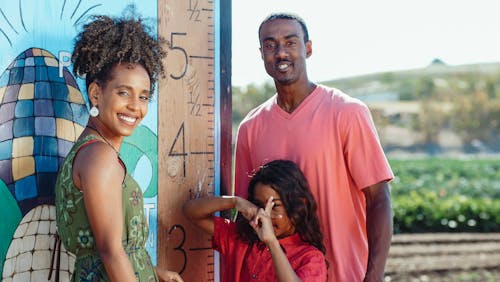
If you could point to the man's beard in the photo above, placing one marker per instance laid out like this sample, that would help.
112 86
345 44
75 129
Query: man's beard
285 80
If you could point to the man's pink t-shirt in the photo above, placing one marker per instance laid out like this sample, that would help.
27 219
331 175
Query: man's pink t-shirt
244 262
331 136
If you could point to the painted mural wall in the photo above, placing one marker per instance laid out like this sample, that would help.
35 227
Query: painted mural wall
43 109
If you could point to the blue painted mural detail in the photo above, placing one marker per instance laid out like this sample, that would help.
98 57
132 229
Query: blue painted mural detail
43 111
42 114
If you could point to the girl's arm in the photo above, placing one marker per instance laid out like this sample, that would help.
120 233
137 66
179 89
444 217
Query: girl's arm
264 228
99 176
200 211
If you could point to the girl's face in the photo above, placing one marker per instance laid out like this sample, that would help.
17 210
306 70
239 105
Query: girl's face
282 225
123 100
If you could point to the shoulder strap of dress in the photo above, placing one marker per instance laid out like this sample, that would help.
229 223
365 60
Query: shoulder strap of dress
97 140
86 144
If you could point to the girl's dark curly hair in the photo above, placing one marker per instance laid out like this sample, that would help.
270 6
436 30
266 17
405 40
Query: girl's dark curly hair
107 41
286 178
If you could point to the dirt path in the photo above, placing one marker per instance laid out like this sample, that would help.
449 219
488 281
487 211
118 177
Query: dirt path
444 257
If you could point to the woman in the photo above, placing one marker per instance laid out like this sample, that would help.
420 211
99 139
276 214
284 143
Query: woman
99 206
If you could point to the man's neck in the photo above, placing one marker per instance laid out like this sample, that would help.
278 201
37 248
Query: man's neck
290 96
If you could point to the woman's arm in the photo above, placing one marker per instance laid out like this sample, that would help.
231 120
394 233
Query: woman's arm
200 211
264 228
100 179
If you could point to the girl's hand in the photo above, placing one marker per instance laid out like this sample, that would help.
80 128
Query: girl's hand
246 208
168 276
262 223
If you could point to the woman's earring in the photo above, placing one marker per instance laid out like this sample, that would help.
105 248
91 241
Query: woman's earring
94 111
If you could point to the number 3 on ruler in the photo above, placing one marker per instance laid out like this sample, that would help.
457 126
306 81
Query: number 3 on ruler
181 245
173 47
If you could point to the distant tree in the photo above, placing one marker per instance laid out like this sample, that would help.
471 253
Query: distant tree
424 88
437 62
477 117
406 91
387 77
381 121
493 87
247 98
431 118
430 121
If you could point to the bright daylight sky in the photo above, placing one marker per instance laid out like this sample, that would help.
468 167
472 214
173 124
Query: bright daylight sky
353 37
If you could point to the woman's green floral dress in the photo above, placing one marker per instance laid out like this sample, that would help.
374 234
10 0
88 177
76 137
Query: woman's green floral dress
74 228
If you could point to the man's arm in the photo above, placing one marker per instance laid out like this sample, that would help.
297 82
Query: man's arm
378 228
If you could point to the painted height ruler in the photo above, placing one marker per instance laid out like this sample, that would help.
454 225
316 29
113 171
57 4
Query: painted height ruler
188 140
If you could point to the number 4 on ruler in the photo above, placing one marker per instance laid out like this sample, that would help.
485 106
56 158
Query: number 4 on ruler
172 153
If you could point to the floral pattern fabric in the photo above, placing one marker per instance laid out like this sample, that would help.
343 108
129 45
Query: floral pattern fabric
74 228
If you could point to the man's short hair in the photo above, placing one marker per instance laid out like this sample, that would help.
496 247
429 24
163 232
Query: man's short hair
286 16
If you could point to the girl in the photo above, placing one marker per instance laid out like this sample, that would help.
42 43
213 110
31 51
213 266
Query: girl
278 238
99 206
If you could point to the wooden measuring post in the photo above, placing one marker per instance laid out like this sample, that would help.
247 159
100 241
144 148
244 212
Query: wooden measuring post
190 119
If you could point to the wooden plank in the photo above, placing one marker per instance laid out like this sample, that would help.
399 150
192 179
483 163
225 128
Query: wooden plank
186 134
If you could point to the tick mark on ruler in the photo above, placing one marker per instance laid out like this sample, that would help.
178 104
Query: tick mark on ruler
202 153
200 249
201 57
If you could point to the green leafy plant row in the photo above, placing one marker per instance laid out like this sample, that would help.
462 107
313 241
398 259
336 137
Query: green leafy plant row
429 212
444 195
476 178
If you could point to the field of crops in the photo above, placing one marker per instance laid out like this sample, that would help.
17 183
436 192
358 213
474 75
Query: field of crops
469 177
446 220
445 195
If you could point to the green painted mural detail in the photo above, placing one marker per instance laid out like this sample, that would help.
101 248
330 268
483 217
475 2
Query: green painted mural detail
142 143
8 206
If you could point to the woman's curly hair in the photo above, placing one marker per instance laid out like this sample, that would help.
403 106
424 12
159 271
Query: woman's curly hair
107 41
286 178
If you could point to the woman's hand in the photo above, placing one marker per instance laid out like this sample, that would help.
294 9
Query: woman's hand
168 276
262 223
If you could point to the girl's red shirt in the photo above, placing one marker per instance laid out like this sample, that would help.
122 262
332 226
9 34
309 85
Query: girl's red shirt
243 262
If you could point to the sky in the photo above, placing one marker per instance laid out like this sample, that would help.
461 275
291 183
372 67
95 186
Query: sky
355 37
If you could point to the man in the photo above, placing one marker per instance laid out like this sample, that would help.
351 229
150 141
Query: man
332 138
